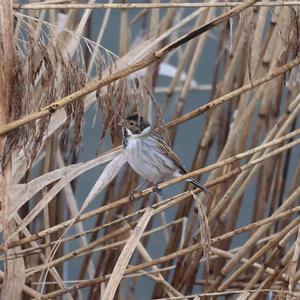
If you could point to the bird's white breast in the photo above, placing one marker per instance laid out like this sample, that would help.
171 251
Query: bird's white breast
146 160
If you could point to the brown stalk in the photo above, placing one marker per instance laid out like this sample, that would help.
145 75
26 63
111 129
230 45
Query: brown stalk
259 232
129 270
252 226
242 178
38 6
271 244
13 279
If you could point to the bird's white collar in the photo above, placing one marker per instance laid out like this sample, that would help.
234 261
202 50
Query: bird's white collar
145 132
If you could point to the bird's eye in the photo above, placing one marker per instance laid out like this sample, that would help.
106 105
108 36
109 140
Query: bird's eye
131 123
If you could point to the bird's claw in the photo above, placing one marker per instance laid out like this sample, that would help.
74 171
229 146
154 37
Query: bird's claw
156 189
135 195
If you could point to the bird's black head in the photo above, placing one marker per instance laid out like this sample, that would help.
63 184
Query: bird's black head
135 124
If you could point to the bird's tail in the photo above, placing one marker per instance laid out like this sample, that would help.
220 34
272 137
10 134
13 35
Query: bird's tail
198 185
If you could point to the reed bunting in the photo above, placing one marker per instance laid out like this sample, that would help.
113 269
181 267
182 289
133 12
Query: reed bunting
149 154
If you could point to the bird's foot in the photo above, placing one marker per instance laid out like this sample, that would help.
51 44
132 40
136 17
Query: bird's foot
156 189
135 195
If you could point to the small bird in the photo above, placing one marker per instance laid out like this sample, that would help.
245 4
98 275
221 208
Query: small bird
149 154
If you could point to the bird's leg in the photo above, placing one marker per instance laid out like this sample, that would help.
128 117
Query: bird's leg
156 189
132 196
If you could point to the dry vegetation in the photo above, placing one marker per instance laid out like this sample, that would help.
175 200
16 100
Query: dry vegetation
248 147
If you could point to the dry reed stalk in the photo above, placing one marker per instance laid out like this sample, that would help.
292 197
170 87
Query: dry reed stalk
231 65
169 289
277 273
293 263
272 243
259 232
42 258
227 254
124 32
289 119
46 169
234 292
216 239
138 274
78 251
27 290
239 180
39 6
85 249
129 269
13 276
265 174
278 270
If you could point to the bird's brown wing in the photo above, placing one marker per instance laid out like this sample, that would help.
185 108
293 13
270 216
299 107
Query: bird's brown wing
166 149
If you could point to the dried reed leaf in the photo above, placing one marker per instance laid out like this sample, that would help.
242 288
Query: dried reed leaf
64 175
126 255
108 174
117 162
204 228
